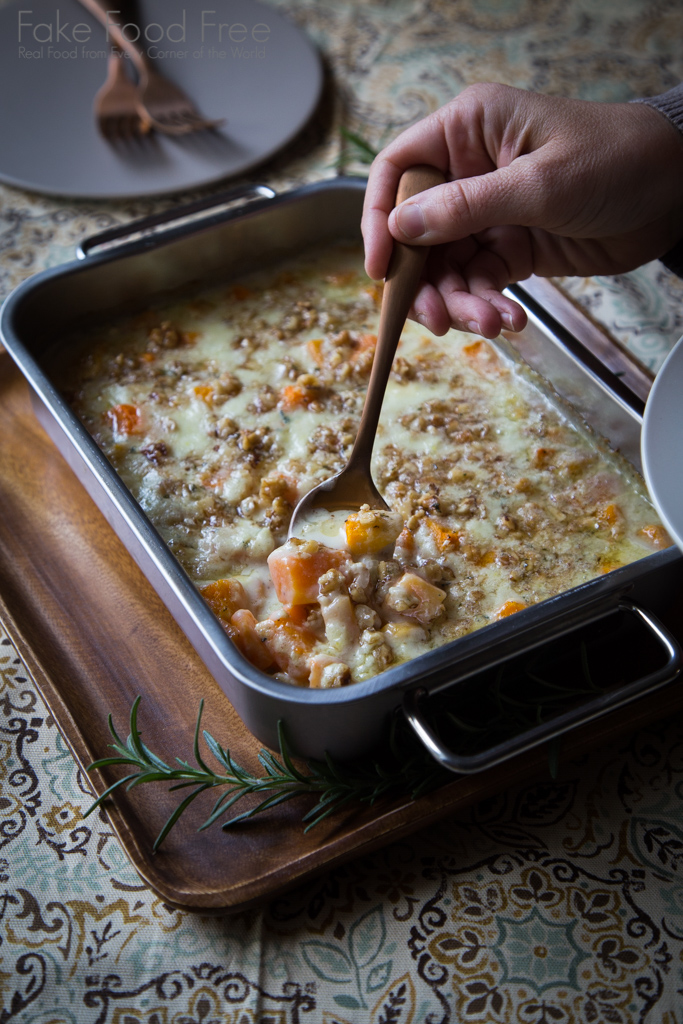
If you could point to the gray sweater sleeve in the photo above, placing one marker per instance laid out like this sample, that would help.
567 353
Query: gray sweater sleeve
670 104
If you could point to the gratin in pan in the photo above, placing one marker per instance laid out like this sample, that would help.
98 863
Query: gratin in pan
123 270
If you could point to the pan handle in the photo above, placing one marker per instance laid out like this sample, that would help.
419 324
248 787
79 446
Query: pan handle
414 702
160 224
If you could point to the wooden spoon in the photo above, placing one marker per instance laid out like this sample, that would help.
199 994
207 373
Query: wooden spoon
354 486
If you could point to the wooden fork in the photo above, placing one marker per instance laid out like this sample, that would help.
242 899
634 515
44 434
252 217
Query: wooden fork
116 104
161 105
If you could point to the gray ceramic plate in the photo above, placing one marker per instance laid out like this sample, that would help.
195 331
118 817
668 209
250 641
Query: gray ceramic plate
265 82
662 443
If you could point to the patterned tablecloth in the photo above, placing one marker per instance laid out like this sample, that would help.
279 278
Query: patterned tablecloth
561 902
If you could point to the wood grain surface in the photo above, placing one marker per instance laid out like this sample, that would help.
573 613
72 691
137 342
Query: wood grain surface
94 635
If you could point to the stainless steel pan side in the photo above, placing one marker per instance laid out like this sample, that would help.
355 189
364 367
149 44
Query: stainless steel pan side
607 700
348 721
601 398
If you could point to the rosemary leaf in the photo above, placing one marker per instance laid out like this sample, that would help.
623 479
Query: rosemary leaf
222 756
133 741
176 814
366 153
153 759
117 739
265 805
108 791
222 806
197 752
289 764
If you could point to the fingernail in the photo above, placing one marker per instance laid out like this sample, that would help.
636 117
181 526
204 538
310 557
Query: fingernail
411 220
507 320
474 327
421 319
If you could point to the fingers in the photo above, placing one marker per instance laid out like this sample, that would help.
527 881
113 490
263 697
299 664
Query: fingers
463 139
382 183
447 213
429 309
570 172
465 283
458 306
504 256
439 310
424 143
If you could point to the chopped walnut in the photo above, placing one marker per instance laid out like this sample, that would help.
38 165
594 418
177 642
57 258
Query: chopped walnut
225 428
435 572
469 506
332 582
253 439
273 487
265 400
247 507
367 617
228 385
375 653
402 370
505 523
334 675
278 515
531 516
431 504
308 380
155 452
361 578
163 336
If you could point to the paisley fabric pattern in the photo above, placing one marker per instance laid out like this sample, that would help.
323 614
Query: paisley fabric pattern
561 902
643 309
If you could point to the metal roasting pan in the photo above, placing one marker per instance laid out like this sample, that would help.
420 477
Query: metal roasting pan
218 239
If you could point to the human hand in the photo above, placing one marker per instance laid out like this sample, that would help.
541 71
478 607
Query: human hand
537 185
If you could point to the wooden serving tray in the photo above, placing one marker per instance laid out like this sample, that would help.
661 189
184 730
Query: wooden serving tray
94 635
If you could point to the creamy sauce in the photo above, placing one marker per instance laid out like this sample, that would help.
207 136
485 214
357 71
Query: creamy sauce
325 527
220 410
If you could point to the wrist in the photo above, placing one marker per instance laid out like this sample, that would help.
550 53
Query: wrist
670 105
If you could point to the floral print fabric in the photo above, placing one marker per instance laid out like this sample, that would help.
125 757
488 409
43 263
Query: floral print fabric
561 902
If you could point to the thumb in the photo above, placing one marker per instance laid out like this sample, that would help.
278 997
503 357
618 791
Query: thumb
447 213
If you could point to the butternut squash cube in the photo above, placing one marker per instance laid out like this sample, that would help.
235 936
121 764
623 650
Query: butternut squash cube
242 631
296 567
417 598
509 608
224 597
369 531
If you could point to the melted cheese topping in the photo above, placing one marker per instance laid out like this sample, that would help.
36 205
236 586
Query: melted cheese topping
222 409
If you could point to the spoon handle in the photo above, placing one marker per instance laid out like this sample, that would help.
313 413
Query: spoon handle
405 267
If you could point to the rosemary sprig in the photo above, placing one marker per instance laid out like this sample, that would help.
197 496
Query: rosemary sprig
499 705
364 153
354 149
334 785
